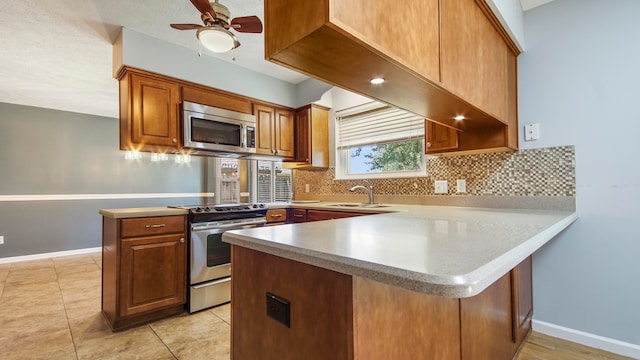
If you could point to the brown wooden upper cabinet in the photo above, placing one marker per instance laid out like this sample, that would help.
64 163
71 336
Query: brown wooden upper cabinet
447 58
275 127
439 137
149 118
312 136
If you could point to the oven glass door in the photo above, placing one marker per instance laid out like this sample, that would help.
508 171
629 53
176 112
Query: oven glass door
210 131
210 257
218 252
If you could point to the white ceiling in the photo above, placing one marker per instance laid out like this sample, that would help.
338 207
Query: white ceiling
57 53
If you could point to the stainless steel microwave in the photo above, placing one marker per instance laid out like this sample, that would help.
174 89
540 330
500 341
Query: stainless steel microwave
221 131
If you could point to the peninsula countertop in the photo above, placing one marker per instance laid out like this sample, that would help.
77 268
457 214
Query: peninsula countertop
447 251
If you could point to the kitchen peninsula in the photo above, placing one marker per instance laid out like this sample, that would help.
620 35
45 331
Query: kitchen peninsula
415 282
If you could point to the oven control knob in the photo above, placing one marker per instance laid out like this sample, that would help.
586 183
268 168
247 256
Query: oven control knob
198 209
207 209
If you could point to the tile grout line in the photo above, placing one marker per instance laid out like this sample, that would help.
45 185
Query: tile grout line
66 313
162 341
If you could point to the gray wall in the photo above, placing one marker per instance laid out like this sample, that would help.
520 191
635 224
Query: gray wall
579 79
47 152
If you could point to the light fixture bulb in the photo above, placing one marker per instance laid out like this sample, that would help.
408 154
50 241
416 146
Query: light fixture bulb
459 117
377 81
217 39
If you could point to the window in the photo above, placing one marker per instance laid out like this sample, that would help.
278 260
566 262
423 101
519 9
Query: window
272 183
227 181
377 141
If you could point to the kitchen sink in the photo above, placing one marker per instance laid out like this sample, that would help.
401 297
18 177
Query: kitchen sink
359 205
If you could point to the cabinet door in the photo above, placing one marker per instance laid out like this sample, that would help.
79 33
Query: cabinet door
485 321
284 127
154 112
475 58
312 136
264 132
303 131
522 292
152 273
439 137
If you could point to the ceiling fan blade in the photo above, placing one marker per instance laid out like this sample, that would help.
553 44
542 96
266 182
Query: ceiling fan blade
247 24
186 26
204 7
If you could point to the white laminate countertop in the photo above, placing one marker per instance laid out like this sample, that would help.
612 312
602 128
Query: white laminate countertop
447 251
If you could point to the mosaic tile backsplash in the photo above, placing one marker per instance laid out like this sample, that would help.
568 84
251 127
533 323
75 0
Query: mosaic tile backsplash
536 172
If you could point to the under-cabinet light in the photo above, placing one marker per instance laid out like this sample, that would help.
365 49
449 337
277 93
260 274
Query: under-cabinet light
159 157
459 117
183 159
377 81
132 155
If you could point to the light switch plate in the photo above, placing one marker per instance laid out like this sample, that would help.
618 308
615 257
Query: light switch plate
441 187
532 132
1 240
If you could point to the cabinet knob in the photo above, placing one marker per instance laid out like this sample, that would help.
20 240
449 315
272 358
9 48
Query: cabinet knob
428 144
306 160
182 240
174 140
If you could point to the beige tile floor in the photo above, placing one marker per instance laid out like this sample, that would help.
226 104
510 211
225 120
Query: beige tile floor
50 309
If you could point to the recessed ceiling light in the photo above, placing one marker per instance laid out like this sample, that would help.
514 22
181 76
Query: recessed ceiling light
376 81
459 117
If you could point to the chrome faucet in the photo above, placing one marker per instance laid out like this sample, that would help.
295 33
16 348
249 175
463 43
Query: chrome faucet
369 191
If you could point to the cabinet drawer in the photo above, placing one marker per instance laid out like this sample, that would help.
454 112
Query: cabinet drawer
276 215
297 215
152 226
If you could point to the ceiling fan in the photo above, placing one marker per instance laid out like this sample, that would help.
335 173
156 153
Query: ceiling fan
215 34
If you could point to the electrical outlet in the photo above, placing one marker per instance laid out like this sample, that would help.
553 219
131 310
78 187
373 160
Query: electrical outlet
1 240
441 187
306 187
461 186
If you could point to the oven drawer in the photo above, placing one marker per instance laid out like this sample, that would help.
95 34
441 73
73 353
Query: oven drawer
156 225
209 294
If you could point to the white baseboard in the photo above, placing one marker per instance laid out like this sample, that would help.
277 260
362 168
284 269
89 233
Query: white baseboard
587 339
14 259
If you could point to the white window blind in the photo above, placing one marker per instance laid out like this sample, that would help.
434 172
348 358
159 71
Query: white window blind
376 123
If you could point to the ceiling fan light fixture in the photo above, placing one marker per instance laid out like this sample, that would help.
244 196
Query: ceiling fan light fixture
217 39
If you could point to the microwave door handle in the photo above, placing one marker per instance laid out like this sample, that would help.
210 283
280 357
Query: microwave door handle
243 136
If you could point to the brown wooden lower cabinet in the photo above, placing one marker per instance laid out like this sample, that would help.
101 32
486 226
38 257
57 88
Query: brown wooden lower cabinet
319 215
296 215
143 269
337 316
276 216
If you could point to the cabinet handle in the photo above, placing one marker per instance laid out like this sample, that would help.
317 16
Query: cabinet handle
297 215
154 226
276 215
182 240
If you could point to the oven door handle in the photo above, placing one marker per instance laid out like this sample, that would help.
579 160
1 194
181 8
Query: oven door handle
228 226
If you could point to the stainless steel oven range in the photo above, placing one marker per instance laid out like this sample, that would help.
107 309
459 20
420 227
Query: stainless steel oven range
209 257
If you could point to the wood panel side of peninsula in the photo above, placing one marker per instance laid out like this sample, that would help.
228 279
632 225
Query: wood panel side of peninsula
339 316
